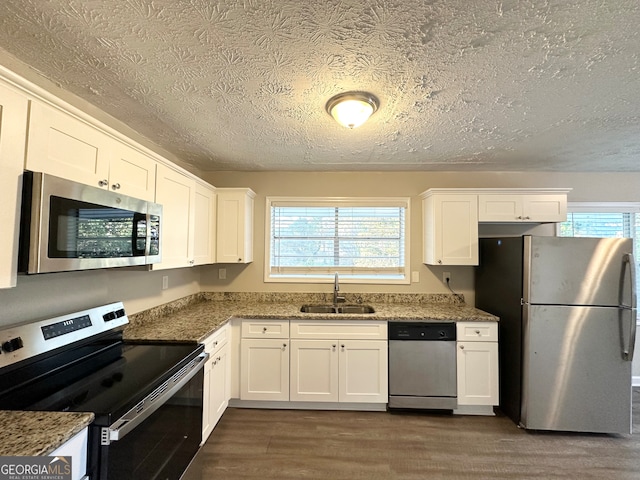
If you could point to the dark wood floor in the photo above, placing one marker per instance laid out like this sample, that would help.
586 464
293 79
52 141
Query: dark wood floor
294 444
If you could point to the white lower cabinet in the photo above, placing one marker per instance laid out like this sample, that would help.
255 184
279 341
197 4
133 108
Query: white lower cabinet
477 363
314 371
76 448
346 368
217 380
311 361
264 369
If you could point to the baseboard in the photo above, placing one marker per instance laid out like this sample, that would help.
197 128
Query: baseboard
362 407
635 381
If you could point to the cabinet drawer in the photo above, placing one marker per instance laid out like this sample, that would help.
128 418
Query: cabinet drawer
216 340
477 331
322 329
265 329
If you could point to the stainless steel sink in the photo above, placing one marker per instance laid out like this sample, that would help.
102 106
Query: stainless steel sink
337 309
356 309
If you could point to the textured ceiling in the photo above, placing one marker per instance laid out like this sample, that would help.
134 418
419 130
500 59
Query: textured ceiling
241 85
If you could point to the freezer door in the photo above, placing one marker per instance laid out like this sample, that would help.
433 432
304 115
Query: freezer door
574 375
575 271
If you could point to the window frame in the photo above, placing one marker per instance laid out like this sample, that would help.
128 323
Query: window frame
404 202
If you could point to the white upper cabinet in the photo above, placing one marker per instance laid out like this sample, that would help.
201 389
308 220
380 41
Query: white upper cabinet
176 192
13 132
235 225
451 217
204 239
533 208
132 173
450 235
63 145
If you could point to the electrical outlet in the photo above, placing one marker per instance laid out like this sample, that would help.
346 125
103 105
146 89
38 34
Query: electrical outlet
222 274
165 282
446 277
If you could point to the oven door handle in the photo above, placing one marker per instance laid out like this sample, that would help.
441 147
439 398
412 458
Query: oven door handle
134 417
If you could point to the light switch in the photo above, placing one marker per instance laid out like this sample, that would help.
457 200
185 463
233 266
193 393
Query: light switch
222 273
415 277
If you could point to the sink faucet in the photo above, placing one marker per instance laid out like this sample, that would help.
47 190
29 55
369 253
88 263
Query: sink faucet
336 291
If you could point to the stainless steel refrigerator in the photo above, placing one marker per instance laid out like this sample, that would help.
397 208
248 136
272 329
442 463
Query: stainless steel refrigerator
567 311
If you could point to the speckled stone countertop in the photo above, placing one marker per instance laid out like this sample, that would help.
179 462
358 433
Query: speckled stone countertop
39 433
194 318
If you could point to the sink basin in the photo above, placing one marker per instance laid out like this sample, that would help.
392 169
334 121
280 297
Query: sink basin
339 309
356 309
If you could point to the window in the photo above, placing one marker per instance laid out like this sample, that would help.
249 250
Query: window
363 240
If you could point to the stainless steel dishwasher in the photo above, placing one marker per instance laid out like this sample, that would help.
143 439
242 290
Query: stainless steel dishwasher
422 365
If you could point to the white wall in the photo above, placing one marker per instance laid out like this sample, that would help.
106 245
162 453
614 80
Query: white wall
45 296
586 187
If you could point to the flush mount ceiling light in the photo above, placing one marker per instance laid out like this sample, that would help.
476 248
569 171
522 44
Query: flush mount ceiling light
352 109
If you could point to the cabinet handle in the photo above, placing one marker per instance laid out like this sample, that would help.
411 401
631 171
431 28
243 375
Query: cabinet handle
115 186
103 183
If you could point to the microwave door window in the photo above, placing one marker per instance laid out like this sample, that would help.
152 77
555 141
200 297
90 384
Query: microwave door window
85 230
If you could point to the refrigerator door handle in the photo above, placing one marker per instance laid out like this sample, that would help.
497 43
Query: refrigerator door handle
629 266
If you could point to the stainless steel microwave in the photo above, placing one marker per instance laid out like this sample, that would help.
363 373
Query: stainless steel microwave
70 226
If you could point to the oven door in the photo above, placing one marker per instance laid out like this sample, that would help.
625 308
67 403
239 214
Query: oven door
159 436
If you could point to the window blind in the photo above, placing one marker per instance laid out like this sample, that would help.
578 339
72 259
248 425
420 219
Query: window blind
317 238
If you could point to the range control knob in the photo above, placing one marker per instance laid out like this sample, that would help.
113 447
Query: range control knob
12 345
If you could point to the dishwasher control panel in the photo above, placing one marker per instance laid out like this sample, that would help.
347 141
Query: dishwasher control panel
432 331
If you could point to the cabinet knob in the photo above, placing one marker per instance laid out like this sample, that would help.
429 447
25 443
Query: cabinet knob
264 329
527 218
342 346
440 261
115 186
477 332
284 346
191 262
103 183
461 347
239 260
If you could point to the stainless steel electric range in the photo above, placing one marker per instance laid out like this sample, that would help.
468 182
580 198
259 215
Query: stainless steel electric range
146 397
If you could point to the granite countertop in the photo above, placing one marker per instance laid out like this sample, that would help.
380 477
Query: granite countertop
39 433
195 318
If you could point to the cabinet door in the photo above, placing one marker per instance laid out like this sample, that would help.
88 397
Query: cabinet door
176 193
264 369
219 398
363 371
207 405
67 147
132 173
451 230
544 208
234 225
477 364
500 208
13 133
314 371
204 239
